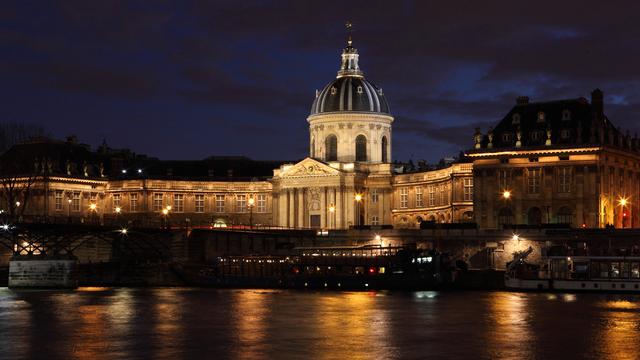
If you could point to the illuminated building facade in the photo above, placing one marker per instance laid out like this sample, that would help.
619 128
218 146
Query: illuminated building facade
558 162
348 179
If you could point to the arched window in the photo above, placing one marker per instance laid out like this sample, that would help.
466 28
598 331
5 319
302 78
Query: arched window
331 148
385 157
505 217
534 216
565 216
361 148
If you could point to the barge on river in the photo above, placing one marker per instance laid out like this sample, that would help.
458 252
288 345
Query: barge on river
344 267
581 273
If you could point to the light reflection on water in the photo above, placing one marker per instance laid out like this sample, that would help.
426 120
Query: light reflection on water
168 323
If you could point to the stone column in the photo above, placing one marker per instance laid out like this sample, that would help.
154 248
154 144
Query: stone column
301 211
323 207
339 208
291 217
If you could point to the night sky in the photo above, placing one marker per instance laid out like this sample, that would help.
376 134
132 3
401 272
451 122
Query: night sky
187 80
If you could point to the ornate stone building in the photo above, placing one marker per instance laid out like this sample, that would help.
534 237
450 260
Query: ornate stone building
348 178
557 162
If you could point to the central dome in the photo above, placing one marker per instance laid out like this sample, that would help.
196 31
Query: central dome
350 91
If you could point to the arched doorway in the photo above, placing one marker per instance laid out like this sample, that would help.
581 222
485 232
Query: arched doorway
331 148
361 148
534 216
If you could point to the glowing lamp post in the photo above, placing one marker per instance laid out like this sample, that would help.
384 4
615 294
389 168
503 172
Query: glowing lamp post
117 210
506 194
165 214
332 213
623 204
250 204
94 209
358 198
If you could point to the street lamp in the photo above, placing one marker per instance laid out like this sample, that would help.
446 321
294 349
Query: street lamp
69 211
622 201
118 210
506 194
165 213
358 198
93 207
332 212
251 203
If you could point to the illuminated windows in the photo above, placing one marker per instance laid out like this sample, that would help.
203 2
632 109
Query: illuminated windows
219 203
533 180
157 201
419 196
404 195
58 200
262 203
374 195
133 202
564 179
241 203
199 203
178 202
468 189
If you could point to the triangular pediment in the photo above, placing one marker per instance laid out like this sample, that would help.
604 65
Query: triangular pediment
310 167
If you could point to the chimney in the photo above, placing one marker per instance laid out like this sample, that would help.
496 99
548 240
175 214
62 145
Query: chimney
597 103
522 100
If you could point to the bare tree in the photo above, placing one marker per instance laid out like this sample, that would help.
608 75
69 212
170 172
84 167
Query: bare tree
16 188
12 133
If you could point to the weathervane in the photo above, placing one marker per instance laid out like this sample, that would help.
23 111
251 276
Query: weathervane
349 27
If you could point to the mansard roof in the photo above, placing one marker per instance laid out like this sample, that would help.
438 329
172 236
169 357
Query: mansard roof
557 124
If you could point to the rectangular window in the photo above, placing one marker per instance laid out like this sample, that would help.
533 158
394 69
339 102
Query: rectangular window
133 202
468 189
262 203
58 200
220 203
419 196
178 202
199 203
374 220
533 181
75 201
432 196
404 195
241 203
374 195
116 201
564 179
157 201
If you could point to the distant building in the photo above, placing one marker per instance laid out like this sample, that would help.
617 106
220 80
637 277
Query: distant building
556 162
348 179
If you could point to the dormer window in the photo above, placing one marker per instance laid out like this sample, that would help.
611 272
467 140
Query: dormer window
506 137
536 135
380 92
566 115
515 119
333 90
359 90
541 116
565 133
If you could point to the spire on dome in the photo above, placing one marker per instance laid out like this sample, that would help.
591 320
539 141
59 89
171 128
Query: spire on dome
349 66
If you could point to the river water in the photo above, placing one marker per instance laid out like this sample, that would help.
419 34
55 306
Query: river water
176 323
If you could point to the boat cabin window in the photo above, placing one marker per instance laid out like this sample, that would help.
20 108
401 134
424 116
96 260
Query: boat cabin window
635 270
615 269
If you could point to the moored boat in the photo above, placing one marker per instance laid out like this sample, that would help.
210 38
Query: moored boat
582 273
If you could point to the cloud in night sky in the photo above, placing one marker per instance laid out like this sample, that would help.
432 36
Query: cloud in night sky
190 79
